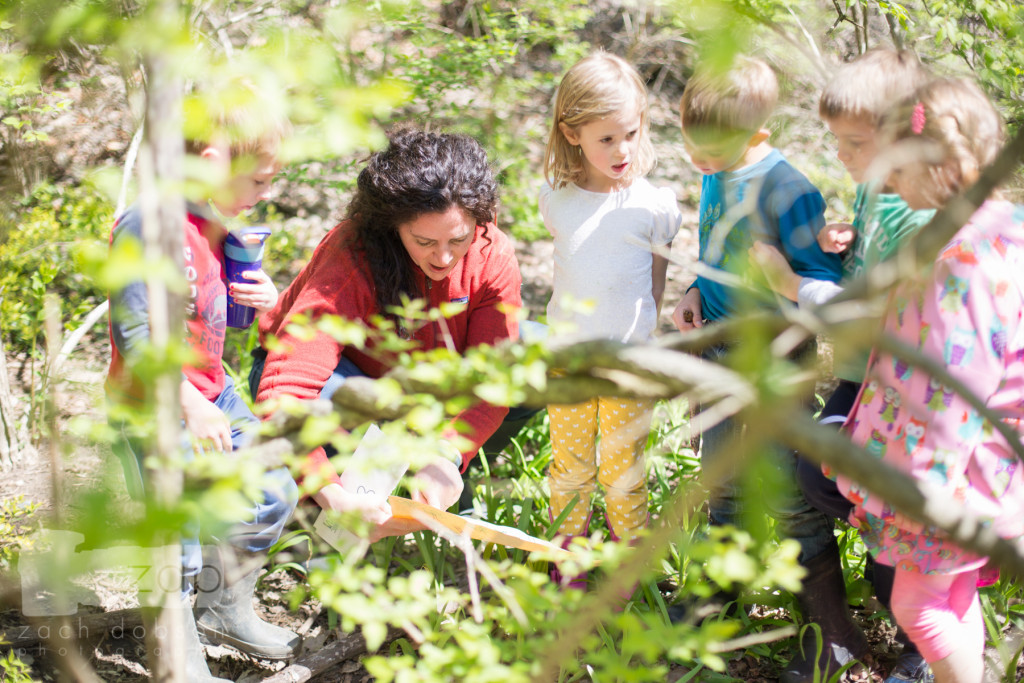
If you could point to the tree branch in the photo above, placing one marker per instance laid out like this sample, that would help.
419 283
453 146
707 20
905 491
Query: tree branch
824 444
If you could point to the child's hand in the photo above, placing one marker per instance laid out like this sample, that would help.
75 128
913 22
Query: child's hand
262 296
835 238
858 519
776 268
205 422
335 497
688 314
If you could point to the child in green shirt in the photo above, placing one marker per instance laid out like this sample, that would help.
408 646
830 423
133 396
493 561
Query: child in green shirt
851 105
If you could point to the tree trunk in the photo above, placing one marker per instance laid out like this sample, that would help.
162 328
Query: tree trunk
13 439
161 169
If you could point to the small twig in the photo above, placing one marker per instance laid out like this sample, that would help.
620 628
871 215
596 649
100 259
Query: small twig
313 663
840 15
894 33
76 336
752 639
808 37
464 544
414 633
474 589
308 624
129 166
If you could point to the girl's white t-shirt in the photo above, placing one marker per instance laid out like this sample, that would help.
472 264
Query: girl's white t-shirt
604 244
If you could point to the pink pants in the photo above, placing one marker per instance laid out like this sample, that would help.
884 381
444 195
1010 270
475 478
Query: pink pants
940 612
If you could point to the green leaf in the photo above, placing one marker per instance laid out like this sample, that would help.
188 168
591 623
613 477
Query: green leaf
375 633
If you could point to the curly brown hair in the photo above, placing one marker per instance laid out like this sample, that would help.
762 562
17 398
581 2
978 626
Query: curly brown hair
418 173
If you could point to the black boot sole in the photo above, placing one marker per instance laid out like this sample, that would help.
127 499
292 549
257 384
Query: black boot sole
211 636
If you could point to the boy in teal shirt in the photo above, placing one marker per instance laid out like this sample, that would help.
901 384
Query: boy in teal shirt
750 192
852 105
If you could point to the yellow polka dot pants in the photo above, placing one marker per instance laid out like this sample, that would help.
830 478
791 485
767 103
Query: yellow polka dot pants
576 469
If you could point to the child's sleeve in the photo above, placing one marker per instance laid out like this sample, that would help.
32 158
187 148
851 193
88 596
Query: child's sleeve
798 211
816 292
904 223
544 204
129 306
667 218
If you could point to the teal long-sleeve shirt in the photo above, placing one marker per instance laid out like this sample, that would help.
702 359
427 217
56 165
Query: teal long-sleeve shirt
768 201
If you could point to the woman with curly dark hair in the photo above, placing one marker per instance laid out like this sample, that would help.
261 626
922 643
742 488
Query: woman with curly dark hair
421 226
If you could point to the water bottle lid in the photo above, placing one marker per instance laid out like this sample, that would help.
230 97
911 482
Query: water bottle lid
246 244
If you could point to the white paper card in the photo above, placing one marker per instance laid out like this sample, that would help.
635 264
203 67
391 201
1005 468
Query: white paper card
374 470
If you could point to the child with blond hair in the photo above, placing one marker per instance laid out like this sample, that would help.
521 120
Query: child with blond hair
239 154
608 223
750 192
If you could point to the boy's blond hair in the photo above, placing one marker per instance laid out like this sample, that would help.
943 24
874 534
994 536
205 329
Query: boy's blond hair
868 86
238 116
596 87
738 100
953 127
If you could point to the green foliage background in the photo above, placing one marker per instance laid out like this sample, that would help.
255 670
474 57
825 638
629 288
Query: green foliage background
346 72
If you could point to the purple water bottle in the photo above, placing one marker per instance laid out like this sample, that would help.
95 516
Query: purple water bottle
243 251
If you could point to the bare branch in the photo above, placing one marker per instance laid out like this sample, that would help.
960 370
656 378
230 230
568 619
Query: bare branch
894 31
823 444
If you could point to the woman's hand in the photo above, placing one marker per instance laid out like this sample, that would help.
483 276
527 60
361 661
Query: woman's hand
207 424
688 314
438 484
335 497
262 295
376 512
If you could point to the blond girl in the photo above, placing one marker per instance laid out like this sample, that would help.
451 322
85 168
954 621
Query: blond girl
608 224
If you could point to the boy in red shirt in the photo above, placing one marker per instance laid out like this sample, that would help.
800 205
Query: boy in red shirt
215 418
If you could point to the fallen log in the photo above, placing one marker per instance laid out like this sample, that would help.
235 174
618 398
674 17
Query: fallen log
83 627
349 645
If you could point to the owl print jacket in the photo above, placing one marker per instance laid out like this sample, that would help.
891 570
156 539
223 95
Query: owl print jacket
966 314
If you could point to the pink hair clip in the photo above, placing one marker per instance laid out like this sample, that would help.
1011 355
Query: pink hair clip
917 118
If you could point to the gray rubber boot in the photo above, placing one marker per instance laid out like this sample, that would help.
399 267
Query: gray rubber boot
226 615
910 668
823 602
196 668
